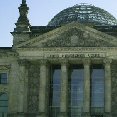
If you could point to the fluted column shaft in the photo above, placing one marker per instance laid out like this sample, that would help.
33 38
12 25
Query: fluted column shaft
21 87
86 102
42 89
107 86
64 89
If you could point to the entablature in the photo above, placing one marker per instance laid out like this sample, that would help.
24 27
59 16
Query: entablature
78 52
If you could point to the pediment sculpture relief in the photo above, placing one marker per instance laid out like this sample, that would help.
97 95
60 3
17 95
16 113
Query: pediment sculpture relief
77 38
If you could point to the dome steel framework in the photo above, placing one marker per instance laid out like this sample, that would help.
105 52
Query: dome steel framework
83 13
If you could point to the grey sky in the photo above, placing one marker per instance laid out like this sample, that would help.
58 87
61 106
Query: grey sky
40 13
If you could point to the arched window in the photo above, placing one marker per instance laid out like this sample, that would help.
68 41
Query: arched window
3 104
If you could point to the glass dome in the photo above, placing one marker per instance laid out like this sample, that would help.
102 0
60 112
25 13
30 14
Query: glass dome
83 13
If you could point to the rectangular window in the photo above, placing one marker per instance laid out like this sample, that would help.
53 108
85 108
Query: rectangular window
76 80
97 88
3 78
55 89
3 105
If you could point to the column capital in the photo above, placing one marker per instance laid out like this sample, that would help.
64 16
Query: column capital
23 62
64 62
5 67
43 62
86 61
107 114
107 61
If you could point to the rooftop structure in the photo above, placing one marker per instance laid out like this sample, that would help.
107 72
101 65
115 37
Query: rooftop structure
83 13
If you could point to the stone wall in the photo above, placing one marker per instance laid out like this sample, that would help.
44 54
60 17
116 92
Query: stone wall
33 88
114 88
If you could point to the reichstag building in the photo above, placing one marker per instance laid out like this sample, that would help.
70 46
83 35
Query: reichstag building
65 69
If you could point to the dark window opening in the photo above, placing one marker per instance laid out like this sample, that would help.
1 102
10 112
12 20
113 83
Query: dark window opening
55 87
3 105
76 79
3 78
97 89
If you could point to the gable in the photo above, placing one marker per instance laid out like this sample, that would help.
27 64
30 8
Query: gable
72 35
77 38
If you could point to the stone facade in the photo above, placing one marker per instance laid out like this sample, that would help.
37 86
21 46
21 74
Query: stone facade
28 63
114 87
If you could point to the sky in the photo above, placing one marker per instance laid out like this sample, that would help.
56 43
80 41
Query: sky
40 13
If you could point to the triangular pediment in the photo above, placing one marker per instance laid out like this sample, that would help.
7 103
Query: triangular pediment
72 35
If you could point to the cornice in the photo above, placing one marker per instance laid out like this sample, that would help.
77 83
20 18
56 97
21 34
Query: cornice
58 31
68 49
5 67
8 54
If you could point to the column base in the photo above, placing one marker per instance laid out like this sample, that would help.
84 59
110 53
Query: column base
18 114
63 114
42 114
86 114
12 115
107 114
21 114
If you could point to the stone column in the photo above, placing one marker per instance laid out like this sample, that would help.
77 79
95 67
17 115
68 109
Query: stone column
64 90
23 85
13 89
107 86
86 100
43 89
23 91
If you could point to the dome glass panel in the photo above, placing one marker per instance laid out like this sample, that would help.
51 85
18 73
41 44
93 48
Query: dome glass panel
83 13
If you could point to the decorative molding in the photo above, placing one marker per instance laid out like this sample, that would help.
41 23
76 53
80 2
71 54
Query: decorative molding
64 62
5 53
86 61
5 67
23 62
68 49
107 61
100 37
3 88
43 62
77 38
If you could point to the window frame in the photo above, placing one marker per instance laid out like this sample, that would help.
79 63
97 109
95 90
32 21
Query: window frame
53 109
7 74
76 67
6 106
93 108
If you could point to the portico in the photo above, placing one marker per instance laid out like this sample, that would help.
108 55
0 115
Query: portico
65 69
62 66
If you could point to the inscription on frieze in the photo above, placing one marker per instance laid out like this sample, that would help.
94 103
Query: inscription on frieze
76 55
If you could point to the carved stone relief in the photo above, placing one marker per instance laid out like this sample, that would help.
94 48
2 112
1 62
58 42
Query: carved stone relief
3 89
33 88
77 38
5 67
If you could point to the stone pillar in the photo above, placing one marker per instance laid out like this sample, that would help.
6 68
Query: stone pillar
13 89
43 89
86 100
107 86
64 90
23 88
